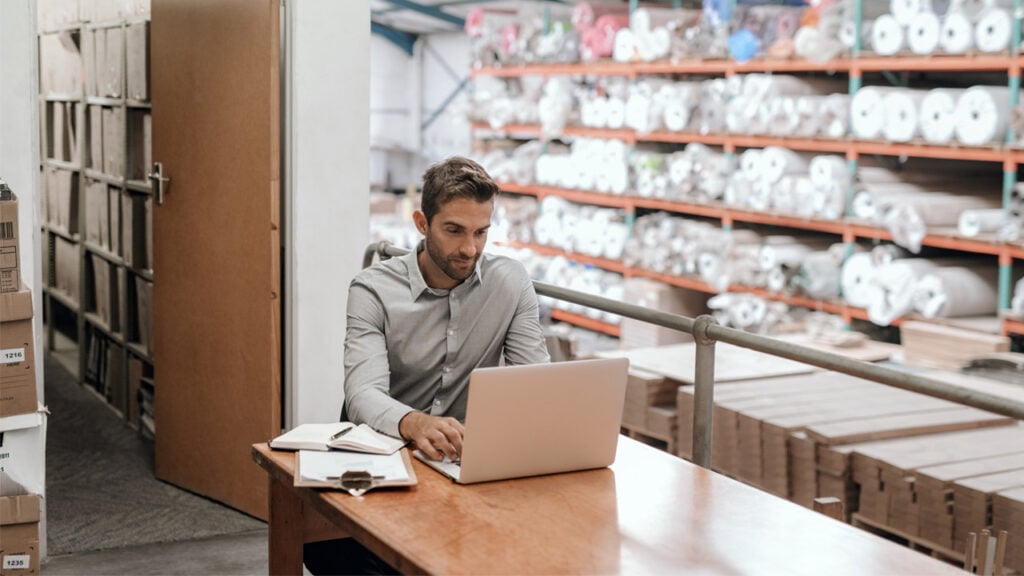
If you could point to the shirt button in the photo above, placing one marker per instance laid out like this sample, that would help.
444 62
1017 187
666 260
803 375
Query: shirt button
447 369
437 402
451 332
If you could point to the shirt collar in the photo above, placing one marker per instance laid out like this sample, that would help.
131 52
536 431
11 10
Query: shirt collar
417 285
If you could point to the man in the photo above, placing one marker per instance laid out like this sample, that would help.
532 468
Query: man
419 324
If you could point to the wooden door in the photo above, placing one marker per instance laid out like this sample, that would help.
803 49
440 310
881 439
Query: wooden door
217 329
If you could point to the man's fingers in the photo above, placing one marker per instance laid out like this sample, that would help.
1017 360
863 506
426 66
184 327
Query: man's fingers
428 448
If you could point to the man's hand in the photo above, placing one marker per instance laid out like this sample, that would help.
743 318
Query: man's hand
435 436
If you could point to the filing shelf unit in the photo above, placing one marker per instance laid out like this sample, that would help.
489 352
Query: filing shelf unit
104 203
1005 156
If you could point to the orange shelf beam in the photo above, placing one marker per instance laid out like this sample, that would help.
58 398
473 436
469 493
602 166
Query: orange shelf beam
602 68
586 322
603 263
1012 326
968 63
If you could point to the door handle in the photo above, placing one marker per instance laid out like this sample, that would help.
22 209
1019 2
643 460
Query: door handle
158 179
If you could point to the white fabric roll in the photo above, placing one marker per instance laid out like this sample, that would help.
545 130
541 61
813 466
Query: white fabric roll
867 115
625 46
982 114
957 34
856 280
923 33
974 222
616 113
971 9
901 109
937 115
956 291
803 197
993 30
750 163
1017 302
828 168
819 276
777 161
784 194
848 33
895 283
887 36
677 116
905 11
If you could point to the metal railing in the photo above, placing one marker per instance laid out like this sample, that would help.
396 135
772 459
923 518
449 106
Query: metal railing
706 332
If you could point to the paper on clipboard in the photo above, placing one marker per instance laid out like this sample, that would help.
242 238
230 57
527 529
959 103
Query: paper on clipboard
322 469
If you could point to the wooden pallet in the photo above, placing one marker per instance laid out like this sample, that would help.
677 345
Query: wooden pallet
914 542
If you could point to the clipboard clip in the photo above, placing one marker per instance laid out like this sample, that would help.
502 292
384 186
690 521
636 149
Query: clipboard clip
358 482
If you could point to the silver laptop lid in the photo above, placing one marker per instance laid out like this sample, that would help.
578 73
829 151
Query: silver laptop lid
542 418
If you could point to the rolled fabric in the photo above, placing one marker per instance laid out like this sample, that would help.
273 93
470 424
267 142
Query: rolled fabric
901 111
587 14
803 197
993 31
957 291
828 168
856 280
599 41
957 34
937 115
818 276
1017 302
971 223
836 113
867 115
829 202
848 33
625 46
982 114
777 161
887 36
784 194
750 163
894 283
923 33
905 12
616 113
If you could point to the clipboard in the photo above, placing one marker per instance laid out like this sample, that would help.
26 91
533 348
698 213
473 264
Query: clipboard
359 466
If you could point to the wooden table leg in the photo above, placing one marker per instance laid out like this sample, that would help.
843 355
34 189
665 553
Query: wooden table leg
286 530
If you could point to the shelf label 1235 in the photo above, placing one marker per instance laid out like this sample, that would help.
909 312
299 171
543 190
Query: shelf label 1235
17 562
12 355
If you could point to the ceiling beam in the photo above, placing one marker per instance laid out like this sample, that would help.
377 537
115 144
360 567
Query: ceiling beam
403 40
428 10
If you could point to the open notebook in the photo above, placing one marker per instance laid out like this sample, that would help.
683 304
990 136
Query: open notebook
539 419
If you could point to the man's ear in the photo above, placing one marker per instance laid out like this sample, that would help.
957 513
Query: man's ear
420 219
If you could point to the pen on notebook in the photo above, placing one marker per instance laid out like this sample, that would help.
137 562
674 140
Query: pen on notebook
342 433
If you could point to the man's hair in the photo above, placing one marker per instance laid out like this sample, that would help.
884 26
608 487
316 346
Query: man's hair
456 177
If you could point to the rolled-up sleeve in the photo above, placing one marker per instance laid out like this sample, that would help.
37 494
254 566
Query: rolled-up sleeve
524 341
367 372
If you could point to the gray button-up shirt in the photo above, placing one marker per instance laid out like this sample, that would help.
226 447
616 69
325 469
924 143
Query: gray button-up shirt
412 347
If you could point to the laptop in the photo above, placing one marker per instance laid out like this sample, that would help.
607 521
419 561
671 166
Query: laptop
539 419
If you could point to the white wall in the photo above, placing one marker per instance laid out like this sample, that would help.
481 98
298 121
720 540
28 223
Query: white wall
327 186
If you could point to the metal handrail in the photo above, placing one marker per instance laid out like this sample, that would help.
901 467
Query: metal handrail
706 331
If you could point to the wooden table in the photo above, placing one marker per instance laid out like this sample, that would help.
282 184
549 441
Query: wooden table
650 513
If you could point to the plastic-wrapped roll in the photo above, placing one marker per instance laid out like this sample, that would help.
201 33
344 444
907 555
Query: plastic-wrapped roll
828 168
887 36
867 115
936 118
784 194
836 112
1017 302
616 113
993 30
957 34
677 115
909 219
777 161
906 11
856 280
599 41
901 109
982 114
895 283
750 163
848 33
803 197
818 276
957 291
974 222
830 201
923 33
586 14
759 196
625 46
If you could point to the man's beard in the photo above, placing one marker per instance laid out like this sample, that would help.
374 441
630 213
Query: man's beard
447 262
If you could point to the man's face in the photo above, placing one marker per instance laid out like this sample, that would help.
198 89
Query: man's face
456 236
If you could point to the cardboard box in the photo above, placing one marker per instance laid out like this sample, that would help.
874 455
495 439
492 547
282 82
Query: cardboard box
66 200
113 142
96 138
97 215
10 253
19 534
100 72
66 271
101 288
139 144
114 63
144 310
137 41
23 450
17 354
89 60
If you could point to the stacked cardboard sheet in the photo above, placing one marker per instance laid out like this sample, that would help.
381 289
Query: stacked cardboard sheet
1008 514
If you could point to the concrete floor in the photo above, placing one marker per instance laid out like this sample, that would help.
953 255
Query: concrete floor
232 555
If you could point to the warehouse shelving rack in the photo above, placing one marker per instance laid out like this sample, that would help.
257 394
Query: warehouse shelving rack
77 312
1007 155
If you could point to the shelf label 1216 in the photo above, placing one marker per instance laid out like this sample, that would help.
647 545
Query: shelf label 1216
12 355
